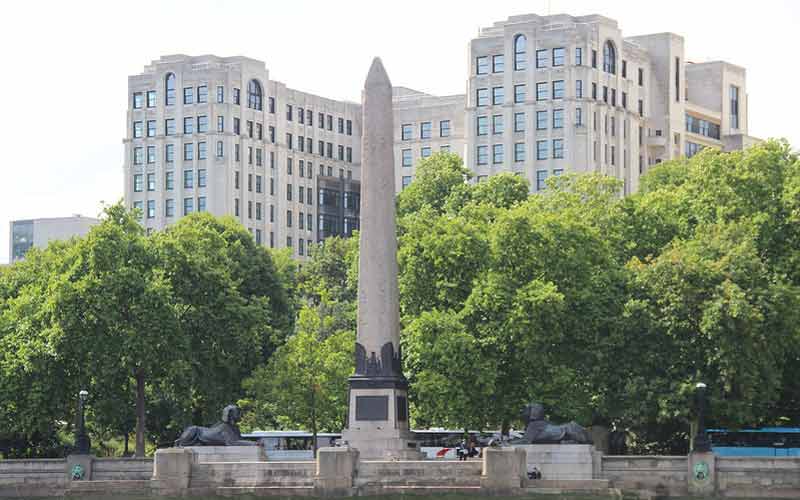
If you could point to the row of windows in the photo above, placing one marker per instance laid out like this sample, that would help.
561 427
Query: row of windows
169 207
425 130
498 153
424 152
555 57
702 127
254 101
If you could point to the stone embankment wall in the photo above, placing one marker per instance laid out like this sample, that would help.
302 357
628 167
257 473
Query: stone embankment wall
663 475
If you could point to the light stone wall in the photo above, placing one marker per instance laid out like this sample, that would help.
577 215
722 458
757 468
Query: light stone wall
50 229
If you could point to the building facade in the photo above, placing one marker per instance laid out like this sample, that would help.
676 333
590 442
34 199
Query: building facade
545 95
26 234
218 135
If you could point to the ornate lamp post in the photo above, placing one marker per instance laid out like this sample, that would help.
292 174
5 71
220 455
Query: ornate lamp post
82 442
701 442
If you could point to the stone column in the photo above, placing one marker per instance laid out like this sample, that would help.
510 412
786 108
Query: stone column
378 402
79 467
336 468
504 470
702 473
172 470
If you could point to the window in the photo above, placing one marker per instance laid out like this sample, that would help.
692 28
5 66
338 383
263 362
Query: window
692 149
258 236
558 148
482 97
482 65
339 153
289 166
138 205
188 95
137 130
519 122
254 95
541 150
594 58
579 89
310 118
138 100
445 148
734 104
613 156
497 153
406 131
444 128
169 92
605 93
151 154
169 207
677 79
321 148
237 96
406 180
220 94
188 206
188 179
188 151
578 56
641 107
309 217
201 177
641 77
497 124
349 127
542 91
624 68
259 132
498 95
321 120
558 171
220 123
188 125
482 155
169 153
220 152
289 113
558 56
558 89
425 130
151 98
702 127
151 128
407 160
609 58
202 152
482 125
520 49
542 58
349 156
541 180
151 209
330 123
541 120
578 117
138 183
329 150
519 93
519 152
558 118
613 126
498 63
202 124
138 156
340 124
613 97
594 90
425 152
289 141
625 100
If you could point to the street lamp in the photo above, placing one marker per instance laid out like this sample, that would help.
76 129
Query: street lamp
82 442
701 442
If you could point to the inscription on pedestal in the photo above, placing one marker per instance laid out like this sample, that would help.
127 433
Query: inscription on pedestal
372 408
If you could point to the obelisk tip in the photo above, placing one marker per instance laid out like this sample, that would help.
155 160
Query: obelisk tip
377 75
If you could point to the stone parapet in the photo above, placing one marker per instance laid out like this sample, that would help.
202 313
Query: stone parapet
504 470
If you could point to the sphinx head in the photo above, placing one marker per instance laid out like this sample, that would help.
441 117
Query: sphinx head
231 414
533 412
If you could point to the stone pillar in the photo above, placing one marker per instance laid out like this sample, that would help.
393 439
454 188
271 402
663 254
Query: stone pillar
336 468
377 423
172 469
79 467
504 470
702 473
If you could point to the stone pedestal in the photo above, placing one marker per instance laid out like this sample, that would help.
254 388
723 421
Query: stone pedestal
206 454
172 469
336 468
504 470
79 467
702 473
561 461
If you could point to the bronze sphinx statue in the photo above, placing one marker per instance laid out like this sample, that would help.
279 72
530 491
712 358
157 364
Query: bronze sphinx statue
540 431
225 433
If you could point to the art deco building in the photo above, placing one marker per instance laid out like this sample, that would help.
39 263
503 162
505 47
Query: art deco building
545 95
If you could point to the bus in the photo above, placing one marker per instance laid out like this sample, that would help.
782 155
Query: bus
298 445
763 442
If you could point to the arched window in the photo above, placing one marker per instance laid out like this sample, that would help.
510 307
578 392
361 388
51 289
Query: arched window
169 89
609 58
254 95
520 47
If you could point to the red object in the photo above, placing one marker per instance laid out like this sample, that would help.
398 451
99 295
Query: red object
441 453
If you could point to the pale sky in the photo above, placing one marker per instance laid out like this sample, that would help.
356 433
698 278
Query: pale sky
64 86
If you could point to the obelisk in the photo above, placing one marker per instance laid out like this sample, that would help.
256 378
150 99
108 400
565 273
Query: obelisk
378 397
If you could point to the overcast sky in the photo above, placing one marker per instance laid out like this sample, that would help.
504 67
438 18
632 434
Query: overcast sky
66 63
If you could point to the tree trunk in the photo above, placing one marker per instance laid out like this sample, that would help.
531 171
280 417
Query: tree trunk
127 438
140 414
504 428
